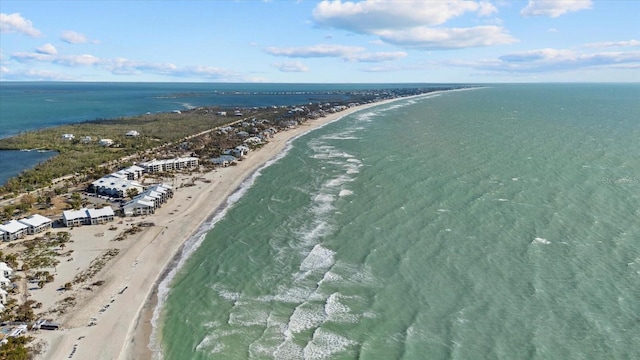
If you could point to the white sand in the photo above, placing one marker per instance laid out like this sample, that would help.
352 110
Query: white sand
141 261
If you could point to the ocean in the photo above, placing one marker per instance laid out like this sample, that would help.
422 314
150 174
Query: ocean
28 106
495 223
501 222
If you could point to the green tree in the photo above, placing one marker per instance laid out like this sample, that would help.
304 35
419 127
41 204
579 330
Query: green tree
28 200
15 348
132 192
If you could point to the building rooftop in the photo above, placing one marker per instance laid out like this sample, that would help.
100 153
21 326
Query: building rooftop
13 226
35 220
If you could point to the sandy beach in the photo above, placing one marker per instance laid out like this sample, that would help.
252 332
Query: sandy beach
113 320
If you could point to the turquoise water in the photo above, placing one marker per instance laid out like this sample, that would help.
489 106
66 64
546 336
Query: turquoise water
496 223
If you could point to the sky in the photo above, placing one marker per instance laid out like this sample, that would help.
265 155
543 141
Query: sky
333 41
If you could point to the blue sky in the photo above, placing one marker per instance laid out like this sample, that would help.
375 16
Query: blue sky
366 41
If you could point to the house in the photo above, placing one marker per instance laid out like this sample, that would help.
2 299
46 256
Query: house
36 223
170 164
68 137
12 230
242 134
86 139
148 201
221 113
241 150
131 173
296 110
138 207
5 270
116 185
86 216
225 129
132 133
224 160
105 142
254 140
100 216
164 189
72 218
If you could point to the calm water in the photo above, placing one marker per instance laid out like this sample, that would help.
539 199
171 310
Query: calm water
33 105
497 223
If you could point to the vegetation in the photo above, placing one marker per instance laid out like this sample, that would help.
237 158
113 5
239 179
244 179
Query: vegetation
15 348
90 160
19 313
40 253
95 266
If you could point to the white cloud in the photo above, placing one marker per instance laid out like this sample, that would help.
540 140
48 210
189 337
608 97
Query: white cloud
630 43
30 56
413 23
346 53
315 51
372 15
10 23
32 74
291 66
555 60
122 66
47 49
76 60
208 72
376 57
554 8
73 37
452 38
116 66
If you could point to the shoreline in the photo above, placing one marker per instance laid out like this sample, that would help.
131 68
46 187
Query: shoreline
123 319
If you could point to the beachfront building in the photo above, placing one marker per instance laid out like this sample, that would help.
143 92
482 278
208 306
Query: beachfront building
12 230
36 223
254 140
100 216
164 190
183 163
148 201
72 218
116 185
239 151
132 133
68 137
224 160
84 216
138 207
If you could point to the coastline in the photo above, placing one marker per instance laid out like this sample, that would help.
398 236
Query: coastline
123 328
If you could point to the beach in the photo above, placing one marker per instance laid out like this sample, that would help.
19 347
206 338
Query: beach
113 320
